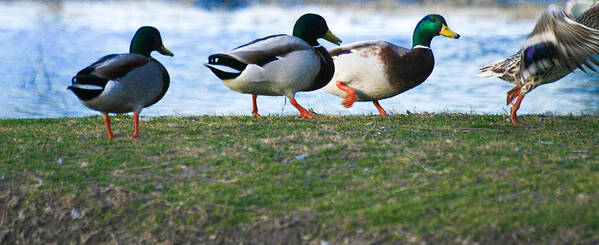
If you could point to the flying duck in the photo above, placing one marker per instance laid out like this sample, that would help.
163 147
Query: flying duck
557 45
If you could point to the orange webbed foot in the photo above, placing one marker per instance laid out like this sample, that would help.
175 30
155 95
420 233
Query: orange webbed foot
512 94
514 110
347 102
107 123
378 106
255 106
350 98
303 112
515 121
514 116
136 125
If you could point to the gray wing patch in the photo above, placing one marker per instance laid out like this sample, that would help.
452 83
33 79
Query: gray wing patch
119 65
345 49
267 49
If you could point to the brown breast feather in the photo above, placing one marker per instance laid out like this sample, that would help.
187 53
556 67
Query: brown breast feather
408 70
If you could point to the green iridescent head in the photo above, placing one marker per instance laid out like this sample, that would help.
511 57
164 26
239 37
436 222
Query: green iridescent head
310 27
431 26
146 40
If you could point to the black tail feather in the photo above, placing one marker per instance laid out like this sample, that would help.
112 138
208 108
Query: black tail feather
225 60
87 79
85 94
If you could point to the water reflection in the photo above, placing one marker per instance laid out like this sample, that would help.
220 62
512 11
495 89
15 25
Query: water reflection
44 48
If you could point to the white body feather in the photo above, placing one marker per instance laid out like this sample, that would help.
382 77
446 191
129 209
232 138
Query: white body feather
295 68
362 70
284 76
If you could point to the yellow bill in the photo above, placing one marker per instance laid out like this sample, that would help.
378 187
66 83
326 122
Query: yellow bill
445 31
331 38
165 51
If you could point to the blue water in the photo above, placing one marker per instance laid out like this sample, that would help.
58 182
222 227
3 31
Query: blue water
42 49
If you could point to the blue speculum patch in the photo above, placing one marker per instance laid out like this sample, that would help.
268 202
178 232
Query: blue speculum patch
537 52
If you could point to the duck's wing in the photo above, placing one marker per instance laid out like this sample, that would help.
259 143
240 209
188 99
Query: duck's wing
265 50
259 52
90 82
358 46
557 39
590 17
110 67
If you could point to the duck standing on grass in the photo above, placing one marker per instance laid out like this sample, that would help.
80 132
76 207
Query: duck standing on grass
122 83
374 70
279 64
557 46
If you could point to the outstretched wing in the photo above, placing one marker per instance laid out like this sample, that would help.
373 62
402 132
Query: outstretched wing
557 39
590 17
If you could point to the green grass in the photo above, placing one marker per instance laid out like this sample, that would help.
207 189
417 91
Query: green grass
440 178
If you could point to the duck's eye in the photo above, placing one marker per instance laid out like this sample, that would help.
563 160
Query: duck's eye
433 20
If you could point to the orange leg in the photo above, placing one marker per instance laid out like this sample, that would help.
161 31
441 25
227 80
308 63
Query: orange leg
303 112
107 122
136 124
350 98
378 107
512 94
515 107
255 106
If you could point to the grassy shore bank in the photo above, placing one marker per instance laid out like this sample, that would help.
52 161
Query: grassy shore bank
441 178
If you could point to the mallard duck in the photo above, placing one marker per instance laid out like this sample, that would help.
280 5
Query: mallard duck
557 46
122 83
279 64
374 70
